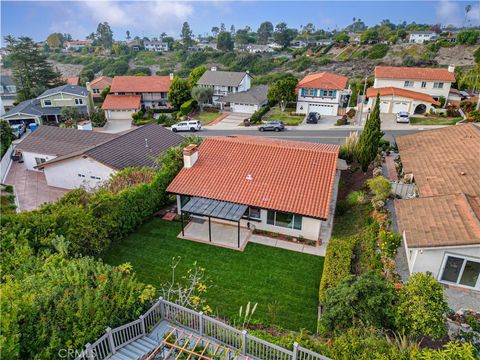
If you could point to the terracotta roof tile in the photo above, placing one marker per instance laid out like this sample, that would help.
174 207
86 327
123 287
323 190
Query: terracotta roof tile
72 80
443 161
130 84
323 80
295 177
121 102
413 73
101 82
393 91
448 220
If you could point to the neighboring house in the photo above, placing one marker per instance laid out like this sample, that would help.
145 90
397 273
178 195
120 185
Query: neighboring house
256 49
73 158
247 101
155 45
224 83
294 196
8 93
441 228
435 82
96 86
76 45
393 100
71 80
323 93
297 44
354 38
121 107
152 89
135 44
47 108
419 37
203 46
323 42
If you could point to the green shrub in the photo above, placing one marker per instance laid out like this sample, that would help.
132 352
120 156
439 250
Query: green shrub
187 107
98 118
378 51
380 187
258 115
389 242
356 198
474 116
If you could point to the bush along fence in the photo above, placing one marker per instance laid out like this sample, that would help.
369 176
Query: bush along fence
205 326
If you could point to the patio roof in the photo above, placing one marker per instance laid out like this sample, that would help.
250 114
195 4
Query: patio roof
215 208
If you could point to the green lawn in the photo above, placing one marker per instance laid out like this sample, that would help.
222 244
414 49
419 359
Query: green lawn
277 114
260 274
206 117
434 120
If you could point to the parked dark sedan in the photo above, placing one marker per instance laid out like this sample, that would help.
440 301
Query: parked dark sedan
272 126
313 118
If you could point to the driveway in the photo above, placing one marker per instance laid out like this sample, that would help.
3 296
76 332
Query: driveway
325 122
116 126
31 188
231 121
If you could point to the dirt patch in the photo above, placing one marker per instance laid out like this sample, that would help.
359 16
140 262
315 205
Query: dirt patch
459 55
352 179
67 69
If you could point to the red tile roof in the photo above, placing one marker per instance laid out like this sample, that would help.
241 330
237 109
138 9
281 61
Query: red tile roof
323 80
121 102
138 84
72 80
448 220
290 176
413 73
393 91
101 82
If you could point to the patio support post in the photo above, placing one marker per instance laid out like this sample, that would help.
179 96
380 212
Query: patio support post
238 235
181 220
110 340
244 342
295 351
200 323
209 230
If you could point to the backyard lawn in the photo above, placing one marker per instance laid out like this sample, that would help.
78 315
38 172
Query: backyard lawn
285 280
206 117
434 120
285 116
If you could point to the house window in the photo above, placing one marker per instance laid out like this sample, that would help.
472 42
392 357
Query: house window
95 178
252 213
40 160
461 271
424 84
47 102
438 85
282 219
81 175
408 83
96 91
78 101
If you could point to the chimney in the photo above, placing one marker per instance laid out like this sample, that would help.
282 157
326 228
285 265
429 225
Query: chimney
190 156
451 68
214 68
171 76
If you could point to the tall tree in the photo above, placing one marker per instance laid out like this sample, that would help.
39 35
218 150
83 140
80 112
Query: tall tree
31 71
201 95
282 92
242 37
224 41
179 92
232 30
215 30
128 35
369 141
264 32
55 40
186 35
104 35
195 75
283 35
222 27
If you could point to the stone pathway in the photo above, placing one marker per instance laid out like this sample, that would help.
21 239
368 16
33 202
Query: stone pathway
287 245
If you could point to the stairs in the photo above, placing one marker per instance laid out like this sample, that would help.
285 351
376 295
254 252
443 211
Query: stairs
136 350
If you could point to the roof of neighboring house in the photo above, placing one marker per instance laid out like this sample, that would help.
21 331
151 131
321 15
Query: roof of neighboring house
323 80
393 91
67 89
101 82
72 80
33 107
52 140
141 84
413 73
122 102
226 78
256 95
443 161
448 220
79 42
138 147
422 32
291 176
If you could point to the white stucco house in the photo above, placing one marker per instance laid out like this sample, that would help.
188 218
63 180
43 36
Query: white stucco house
419 37
441 228
393 100
228 174
121 107
247 102
323 93
224 83
76 45
155 45
71 158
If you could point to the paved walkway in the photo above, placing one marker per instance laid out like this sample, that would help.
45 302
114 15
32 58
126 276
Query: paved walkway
231 121
116 126
31 189
288 245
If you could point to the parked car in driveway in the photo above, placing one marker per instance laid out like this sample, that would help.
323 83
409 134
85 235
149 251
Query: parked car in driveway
272 126
18 130
403 117
191 125
313 117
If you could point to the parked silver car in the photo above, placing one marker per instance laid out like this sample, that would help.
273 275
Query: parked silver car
190 125
403 117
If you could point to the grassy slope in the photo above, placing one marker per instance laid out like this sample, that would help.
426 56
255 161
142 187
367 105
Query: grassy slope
434 120
259 274
285 117
206 117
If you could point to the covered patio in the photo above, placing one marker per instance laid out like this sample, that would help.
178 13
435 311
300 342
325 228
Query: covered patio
224 230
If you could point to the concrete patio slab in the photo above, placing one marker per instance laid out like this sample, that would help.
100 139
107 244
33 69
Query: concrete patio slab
116 126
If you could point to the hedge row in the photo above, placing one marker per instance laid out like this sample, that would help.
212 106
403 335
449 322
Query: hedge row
188 106
258 115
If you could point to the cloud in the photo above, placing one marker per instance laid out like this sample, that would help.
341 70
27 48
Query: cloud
449 12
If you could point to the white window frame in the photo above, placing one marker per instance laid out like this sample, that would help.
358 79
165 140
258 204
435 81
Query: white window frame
424 84
408 83
96 91
465 259
438 85
79 101
45 104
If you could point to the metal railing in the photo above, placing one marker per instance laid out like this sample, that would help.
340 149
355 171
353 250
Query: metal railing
205 326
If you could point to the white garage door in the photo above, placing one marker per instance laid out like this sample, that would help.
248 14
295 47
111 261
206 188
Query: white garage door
243 108
400 106
323 109
384 106
120 114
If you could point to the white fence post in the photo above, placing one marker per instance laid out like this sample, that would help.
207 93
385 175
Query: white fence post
162 309
142 324
295 351
244 342
200 323
89 351
110 340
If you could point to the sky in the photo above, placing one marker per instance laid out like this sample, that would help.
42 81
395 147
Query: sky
37 19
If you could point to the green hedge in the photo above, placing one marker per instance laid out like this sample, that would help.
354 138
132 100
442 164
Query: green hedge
188 106
258 115
338 260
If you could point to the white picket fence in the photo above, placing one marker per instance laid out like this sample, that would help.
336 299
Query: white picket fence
5 163
197 322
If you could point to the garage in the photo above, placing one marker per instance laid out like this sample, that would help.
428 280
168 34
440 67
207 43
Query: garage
394 100
384 106
243 108
323 109
121 107
399 106
119 114
247 102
